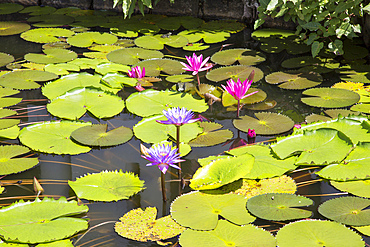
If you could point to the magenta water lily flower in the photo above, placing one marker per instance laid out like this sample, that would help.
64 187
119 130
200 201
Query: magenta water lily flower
251 133
178 116
163 156
136 72
196 64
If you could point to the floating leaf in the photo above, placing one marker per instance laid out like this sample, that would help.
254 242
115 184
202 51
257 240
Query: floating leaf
106 68
38 10
243 56
358 188
316 118
228 100
221 172
141 225
25 79
86 63
211 135
363 229
52 20
268 32
153 67
262 106
41 221
107 186
206 209
60 243
9 164
157 42
233 72
265 123
115 80
129 56
294 79
330 97
54 55
365 108
5 58
4 102
152 102
357 74
9 8
88 38
75 103
179 78
317 233
298 62
54 137
195 47
61 68
10 133
46 35
97 135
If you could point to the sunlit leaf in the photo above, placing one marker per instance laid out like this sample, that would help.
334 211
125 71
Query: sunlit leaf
52 20
129 56
294 79
153 67
243 56
88 38
233 72
25 79
358 188
330 97
53 55
10 164
268 32
61 68
46 35
9 8
5 58
157 42
106 68
228 100
10 133
195 47
60 243
211 135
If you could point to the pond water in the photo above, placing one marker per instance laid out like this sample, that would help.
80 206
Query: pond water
54 171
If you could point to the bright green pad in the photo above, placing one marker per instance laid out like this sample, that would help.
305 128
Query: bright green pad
243 56
106 68
74 104
294 79
7 123
363 229
9 164
330 97
152 102
221 172
41 221
228 100
142 225
279 207
321 146
265 165
61 68
53 55
316 118
317 233
60 243
88 38
52 20
268 32
347 210
5 58
107 186
25 79
212 135
158 41
53 137
265 123
116 80
132 55
358 188
7 113
205 210
195 47
97 135
227 234
10 133
153 67
233 72
46 35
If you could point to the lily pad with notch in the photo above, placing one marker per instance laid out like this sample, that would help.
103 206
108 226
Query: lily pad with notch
157 42
233 72
229 100
294 79
358 187
195 47
38 10
89 38
330 97
211 135
264 33
117 81
206 209
10 133
12 27
46 35
25 79
8 101
180 78
129 56
53 55
262 106
9 163
52 20
105 68
62 68
243 56
153 67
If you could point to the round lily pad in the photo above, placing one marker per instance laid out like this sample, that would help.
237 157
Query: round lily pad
9 164
46 35
61 68
298 62
233 72
317 233
53 55
330 97
55 137
262 106
316 118
212 135
195 47
347 210
157 42
25 79
88 38
107 186
9 8
179 78
271 32
38 10
365 108
153 67
5 58
206 209
228 234
228 100
265 123
106 68
294 79
97 135
279 207
358 188
243 56
12 27
132 55
52 20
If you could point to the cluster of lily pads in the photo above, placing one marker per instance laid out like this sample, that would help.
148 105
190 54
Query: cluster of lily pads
232 190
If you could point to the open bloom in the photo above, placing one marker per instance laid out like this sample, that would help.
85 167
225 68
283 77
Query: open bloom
136 72
178 116
239 89
196 64
163 156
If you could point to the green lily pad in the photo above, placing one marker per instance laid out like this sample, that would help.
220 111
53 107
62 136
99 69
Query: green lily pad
74 104
360 74
38 10
365 108
9 8
97 135
61 68
262 106
9 164
363 229
317 233
153 67
195 47
358 188
157 42
233 72
129 56
265 164
221 172
142 225
88 38
347 210
106 68
180 78
60 243
9 101
54 55
41 221
279 206
206 209
265 123
228 100
243 56
46 35
152 102
5 58
89 20
10 133
298 62
228 234
115 80
321 146
52 20
12 27
55 137
355 166
86 63
59 44
316 118
7 123
25 79
212 135
294 79
271 32
107 186
150 131
330 97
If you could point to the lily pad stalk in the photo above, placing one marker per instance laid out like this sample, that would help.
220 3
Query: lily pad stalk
197 64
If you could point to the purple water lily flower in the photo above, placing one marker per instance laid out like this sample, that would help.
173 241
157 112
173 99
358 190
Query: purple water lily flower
163 156
178 116
196 64
136 72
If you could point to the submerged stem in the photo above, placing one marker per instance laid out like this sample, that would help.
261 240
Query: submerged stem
237 113
178 150
163 187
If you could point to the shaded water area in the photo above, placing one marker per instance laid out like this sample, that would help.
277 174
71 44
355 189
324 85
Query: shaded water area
54 171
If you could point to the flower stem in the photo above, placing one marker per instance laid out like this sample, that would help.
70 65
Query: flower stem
198 80
178 150
237 113
163 187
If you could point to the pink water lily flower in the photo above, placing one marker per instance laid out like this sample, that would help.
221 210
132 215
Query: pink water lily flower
136 72
196 64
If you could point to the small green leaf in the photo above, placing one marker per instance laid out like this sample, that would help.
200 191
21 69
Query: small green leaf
9 164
